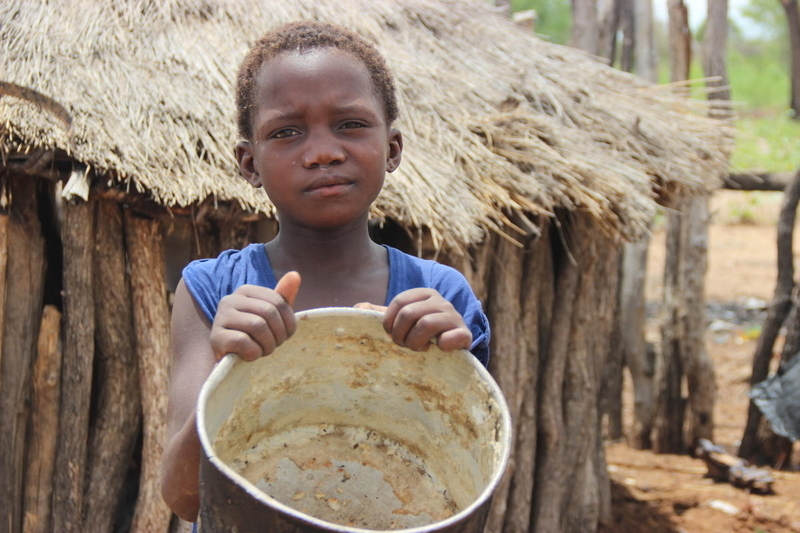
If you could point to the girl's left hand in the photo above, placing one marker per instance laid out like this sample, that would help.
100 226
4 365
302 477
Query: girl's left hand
417 316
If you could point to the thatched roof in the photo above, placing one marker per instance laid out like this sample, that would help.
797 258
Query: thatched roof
495 119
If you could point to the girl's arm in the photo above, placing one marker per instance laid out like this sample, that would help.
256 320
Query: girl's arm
250 322
192 362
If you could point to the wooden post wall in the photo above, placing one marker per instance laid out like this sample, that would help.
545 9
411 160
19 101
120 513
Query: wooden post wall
536 297
551 307
23 288
43 433
3 269
76 375
145 243
118 416
508 342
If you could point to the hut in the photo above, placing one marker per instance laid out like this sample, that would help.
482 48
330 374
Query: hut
526 166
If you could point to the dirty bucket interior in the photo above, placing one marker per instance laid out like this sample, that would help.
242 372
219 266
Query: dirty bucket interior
344 427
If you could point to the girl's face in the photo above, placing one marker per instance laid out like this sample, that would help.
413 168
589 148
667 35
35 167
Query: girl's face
321 146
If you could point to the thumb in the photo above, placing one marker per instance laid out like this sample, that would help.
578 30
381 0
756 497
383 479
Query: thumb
288 286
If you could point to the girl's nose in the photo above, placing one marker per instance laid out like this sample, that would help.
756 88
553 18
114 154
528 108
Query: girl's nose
322 150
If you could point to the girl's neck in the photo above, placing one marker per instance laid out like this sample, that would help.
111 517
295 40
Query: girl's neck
313 251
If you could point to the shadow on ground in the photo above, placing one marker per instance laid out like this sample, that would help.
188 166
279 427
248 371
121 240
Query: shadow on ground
630 515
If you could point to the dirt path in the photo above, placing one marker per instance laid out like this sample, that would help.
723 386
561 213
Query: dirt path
667 493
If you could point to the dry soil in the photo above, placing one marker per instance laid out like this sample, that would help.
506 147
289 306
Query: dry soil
669 493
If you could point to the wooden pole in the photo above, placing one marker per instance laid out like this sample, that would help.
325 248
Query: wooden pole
3 268
581 490
508 350
670 409
23 286
76 375
41 452
537 301
118 416
758 181
550 472
777 312
633 345
145 242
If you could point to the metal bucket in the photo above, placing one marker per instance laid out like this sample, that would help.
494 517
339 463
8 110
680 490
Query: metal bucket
342 430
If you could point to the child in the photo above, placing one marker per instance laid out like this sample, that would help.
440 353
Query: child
315 107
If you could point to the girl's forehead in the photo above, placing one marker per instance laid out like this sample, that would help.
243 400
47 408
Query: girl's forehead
316 65
295 82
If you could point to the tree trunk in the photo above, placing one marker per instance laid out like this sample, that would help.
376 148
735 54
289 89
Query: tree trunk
683 344
635 354
697 364
43 434
76 374
646 56
683 326
607 29
117 420
750 447
585 30
680 40
714 64
145 244
627 25
23 288
793 20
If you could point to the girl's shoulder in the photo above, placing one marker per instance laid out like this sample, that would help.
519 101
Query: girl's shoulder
209 280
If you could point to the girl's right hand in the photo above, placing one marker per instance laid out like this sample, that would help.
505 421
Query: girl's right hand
254 320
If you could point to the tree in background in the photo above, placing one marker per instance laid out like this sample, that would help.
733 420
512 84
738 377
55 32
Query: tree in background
793 23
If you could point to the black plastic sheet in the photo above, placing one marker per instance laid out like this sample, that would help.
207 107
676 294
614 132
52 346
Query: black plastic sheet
778 398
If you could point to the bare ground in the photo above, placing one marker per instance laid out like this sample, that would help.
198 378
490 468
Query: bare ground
668 493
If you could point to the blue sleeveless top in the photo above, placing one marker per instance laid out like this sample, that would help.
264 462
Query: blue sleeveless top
209 280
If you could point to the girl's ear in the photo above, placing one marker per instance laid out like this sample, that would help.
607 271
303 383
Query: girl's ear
395 150
244 155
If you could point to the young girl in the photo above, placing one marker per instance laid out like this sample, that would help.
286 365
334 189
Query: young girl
316 105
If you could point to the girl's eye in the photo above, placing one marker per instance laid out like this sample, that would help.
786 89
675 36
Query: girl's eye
284 133
352 124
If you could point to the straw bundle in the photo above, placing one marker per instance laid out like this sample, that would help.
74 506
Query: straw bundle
495 119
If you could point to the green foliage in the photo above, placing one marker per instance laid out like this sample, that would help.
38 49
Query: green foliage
758 80
769 18
554 17
767 142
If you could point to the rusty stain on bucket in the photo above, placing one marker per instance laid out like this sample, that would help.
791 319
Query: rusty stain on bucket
342 430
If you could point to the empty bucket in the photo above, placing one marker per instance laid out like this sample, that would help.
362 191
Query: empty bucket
342 430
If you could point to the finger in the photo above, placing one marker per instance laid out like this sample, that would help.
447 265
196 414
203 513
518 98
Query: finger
282 298
267 323
455 339
371 307
400 304
427 328
288 286
225 341
261 313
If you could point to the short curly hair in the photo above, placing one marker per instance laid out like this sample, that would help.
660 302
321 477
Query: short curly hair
302 37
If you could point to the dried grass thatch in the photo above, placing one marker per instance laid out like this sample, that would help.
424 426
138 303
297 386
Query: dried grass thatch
495 119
